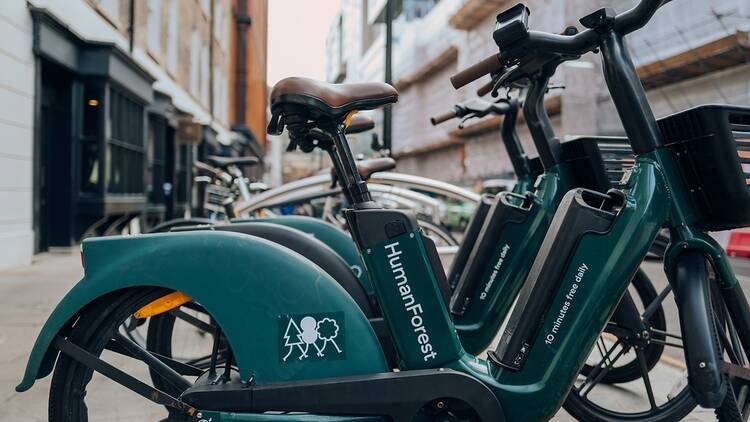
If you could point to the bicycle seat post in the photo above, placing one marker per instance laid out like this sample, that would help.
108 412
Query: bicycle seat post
352 184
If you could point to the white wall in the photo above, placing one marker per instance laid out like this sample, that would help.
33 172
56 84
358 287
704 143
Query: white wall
16 134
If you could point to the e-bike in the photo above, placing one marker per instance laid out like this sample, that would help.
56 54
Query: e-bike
302 345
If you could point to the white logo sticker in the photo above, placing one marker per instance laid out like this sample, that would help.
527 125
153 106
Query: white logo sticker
304 331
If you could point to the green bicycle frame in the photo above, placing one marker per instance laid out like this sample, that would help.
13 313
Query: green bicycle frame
538 390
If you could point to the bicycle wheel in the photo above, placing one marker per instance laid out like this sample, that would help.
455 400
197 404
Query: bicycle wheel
736 404
629 370
77 393
185 334
627 361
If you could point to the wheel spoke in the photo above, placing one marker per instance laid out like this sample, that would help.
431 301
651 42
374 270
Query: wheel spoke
194 321
203 361
602 353
646 380
656 303
599 372
664 333
667 343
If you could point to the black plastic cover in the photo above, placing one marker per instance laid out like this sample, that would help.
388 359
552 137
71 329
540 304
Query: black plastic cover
581 212
470 237
512 26
585 163
376 225
711 144
437 268
508 208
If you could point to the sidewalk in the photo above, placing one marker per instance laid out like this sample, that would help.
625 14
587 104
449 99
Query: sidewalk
28 295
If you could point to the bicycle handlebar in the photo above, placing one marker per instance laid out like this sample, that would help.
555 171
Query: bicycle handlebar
473 108
573 45
443 117
489 65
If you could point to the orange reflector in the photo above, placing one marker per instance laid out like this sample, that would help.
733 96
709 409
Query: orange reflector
163 304
349 116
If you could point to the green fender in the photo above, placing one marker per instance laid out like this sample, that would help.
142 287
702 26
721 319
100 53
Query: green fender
252 287
337 239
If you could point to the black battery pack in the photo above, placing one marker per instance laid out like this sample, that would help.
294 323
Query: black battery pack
470 237
582 212
507 208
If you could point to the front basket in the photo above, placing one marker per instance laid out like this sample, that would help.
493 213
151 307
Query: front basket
711 144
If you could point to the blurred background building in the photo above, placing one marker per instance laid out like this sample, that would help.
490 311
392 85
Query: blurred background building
693 52
105 103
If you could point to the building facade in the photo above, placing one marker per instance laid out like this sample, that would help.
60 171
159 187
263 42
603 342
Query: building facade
693 52
104 105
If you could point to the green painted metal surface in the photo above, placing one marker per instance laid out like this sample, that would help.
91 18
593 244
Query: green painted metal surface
252 287
523 184
337 239
409 296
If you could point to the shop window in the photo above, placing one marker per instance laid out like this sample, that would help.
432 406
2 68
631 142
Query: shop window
88 142
156 160
125 149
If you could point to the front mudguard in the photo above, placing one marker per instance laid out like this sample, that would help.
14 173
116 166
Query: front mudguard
251 287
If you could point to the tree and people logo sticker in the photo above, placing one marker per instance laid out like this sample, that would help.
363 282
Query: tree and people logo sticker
311 337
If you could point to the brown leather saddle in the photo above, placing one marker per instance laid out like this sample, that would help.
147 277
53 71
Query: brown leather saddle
302 103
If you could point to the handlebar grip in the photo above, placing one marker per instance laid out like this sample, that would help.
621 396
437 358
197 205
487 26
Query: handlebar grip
443 117
470 74
486 88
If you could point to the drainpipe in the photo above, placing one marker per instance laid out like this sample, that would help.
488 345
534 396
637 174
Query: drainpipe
387 111
131 24
242 24
211 60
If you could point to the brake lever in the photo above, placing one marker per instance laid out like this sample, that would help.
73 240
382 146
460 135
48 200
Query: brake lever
469 117
499 82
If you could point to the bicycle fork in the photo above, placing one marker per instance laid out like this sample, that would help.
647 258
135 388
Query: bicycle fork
686 264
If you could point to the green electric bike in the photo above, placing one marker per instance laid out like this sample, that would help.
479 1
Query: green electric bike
299 343
507 229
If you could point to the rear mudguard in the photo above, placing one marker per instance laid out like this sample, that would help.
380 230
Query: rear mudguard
257 291
337 239
314 250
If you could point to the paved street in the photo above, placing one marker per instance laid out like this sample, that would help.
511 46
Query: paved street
27 296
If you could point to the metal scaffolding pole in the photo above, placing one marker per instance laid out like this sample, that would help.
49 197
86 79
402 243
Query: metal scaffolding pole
387 113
